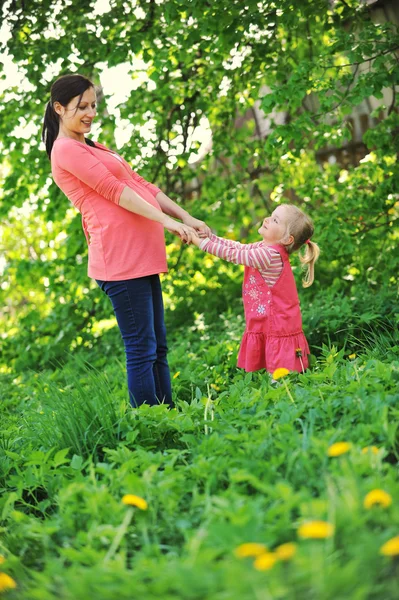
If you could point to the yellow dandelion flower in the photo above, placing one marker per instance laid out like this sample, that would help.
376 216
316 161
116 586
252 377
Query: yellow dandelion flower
317 530
279 373
391 547
352 356
131 500
377 497
339 448
250 549
2 559
372 449
286 551
6 582
265 561
176 374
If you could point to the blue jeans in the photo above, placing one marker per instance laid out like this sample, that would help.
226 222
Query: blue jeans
139 311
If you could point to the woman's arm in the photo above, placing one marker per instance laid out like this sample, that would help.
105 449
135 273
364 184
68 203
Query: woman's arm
73 157
176 211
131 201
168 206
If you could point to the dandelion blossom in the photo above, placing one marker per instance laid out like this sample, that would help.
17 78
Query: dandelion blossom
338 448
6 582
372 449
279 373
250 549
265 561
391 547
286 551
317 530
132 500
377 497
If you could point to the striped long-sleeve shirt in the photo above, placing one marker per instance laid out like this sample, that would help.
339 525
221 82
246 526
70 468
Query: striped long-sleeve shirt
259 256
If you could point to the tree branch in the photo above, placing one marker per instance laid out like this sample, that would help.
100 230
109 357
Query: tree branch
390 109
150 20
360 62
343 97
309 36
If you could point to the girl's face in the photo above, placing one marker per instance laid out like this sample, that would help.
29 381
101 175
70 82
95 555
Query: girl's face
273 229
76 118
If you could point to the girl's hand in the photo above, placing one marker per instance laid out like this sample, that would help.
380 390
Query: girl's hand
195 239
200 227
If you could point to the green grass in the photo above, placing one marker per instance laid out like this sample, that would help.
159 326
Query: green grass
71 447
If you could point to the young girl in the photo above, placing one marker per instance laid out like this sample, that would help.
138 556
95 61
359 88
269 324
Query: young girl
273 336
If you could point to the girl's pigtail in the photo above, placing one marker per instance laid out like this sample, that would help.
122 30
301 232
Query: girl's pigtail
308 260
51 126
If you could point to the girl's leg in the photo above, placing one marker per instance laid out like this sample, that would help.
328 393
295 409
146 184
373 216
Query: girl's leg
161 367
133 306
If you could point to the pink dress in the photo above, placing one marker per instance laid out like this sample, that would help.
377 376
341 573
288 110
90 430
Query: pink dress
273 335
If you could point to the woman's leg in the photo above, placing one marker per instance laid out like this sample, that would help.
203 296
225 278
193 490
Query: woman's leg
133 306
161 367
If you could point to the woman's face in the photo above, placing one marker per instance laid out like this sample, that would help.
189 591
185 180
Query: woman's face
76 118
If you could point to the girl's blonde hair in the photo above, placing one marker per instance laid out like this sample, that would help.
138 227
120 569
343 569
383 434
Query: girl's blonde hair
300 226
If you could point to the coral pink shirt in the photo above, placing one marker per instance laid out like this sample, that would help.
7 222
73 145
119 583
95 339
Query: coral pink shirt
122 244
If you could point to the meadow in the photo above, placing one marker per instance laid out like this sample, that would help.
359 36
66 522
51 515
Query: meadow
243 490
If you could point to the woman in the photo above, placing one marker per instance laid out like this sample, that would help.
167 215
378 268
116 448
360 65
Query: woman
123 218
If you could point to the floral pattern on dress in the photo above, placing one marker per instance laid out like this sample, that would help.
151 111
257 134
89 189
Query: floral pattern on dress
261 309
255 296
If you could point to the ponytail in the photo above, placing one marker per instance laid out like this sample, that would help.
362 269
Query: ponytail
308 260
51 126
300 227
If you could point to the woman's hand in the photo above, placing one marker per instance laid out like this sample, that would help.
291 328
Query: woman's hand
184 231
198 225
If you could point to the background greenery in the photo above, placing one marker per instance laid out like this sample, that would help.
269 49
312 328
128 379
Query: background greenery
69 445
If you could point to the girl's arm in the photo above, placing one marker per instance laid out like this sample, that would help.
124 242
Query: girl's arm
256 255
228 243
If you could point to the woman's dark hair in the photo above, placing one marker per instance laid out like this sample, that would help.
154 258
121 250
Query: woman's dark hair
63 90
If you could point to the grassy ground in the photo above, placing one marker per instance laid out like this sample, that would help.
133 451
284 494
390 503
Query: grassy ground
255 471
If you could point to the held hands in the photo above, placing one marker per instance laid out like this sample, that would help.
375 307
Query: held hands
190 231
184 232
200 227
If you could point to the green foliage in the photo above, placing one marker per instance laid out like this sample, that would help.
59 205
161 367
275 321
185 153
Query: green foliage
260 472
70 447
312 64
